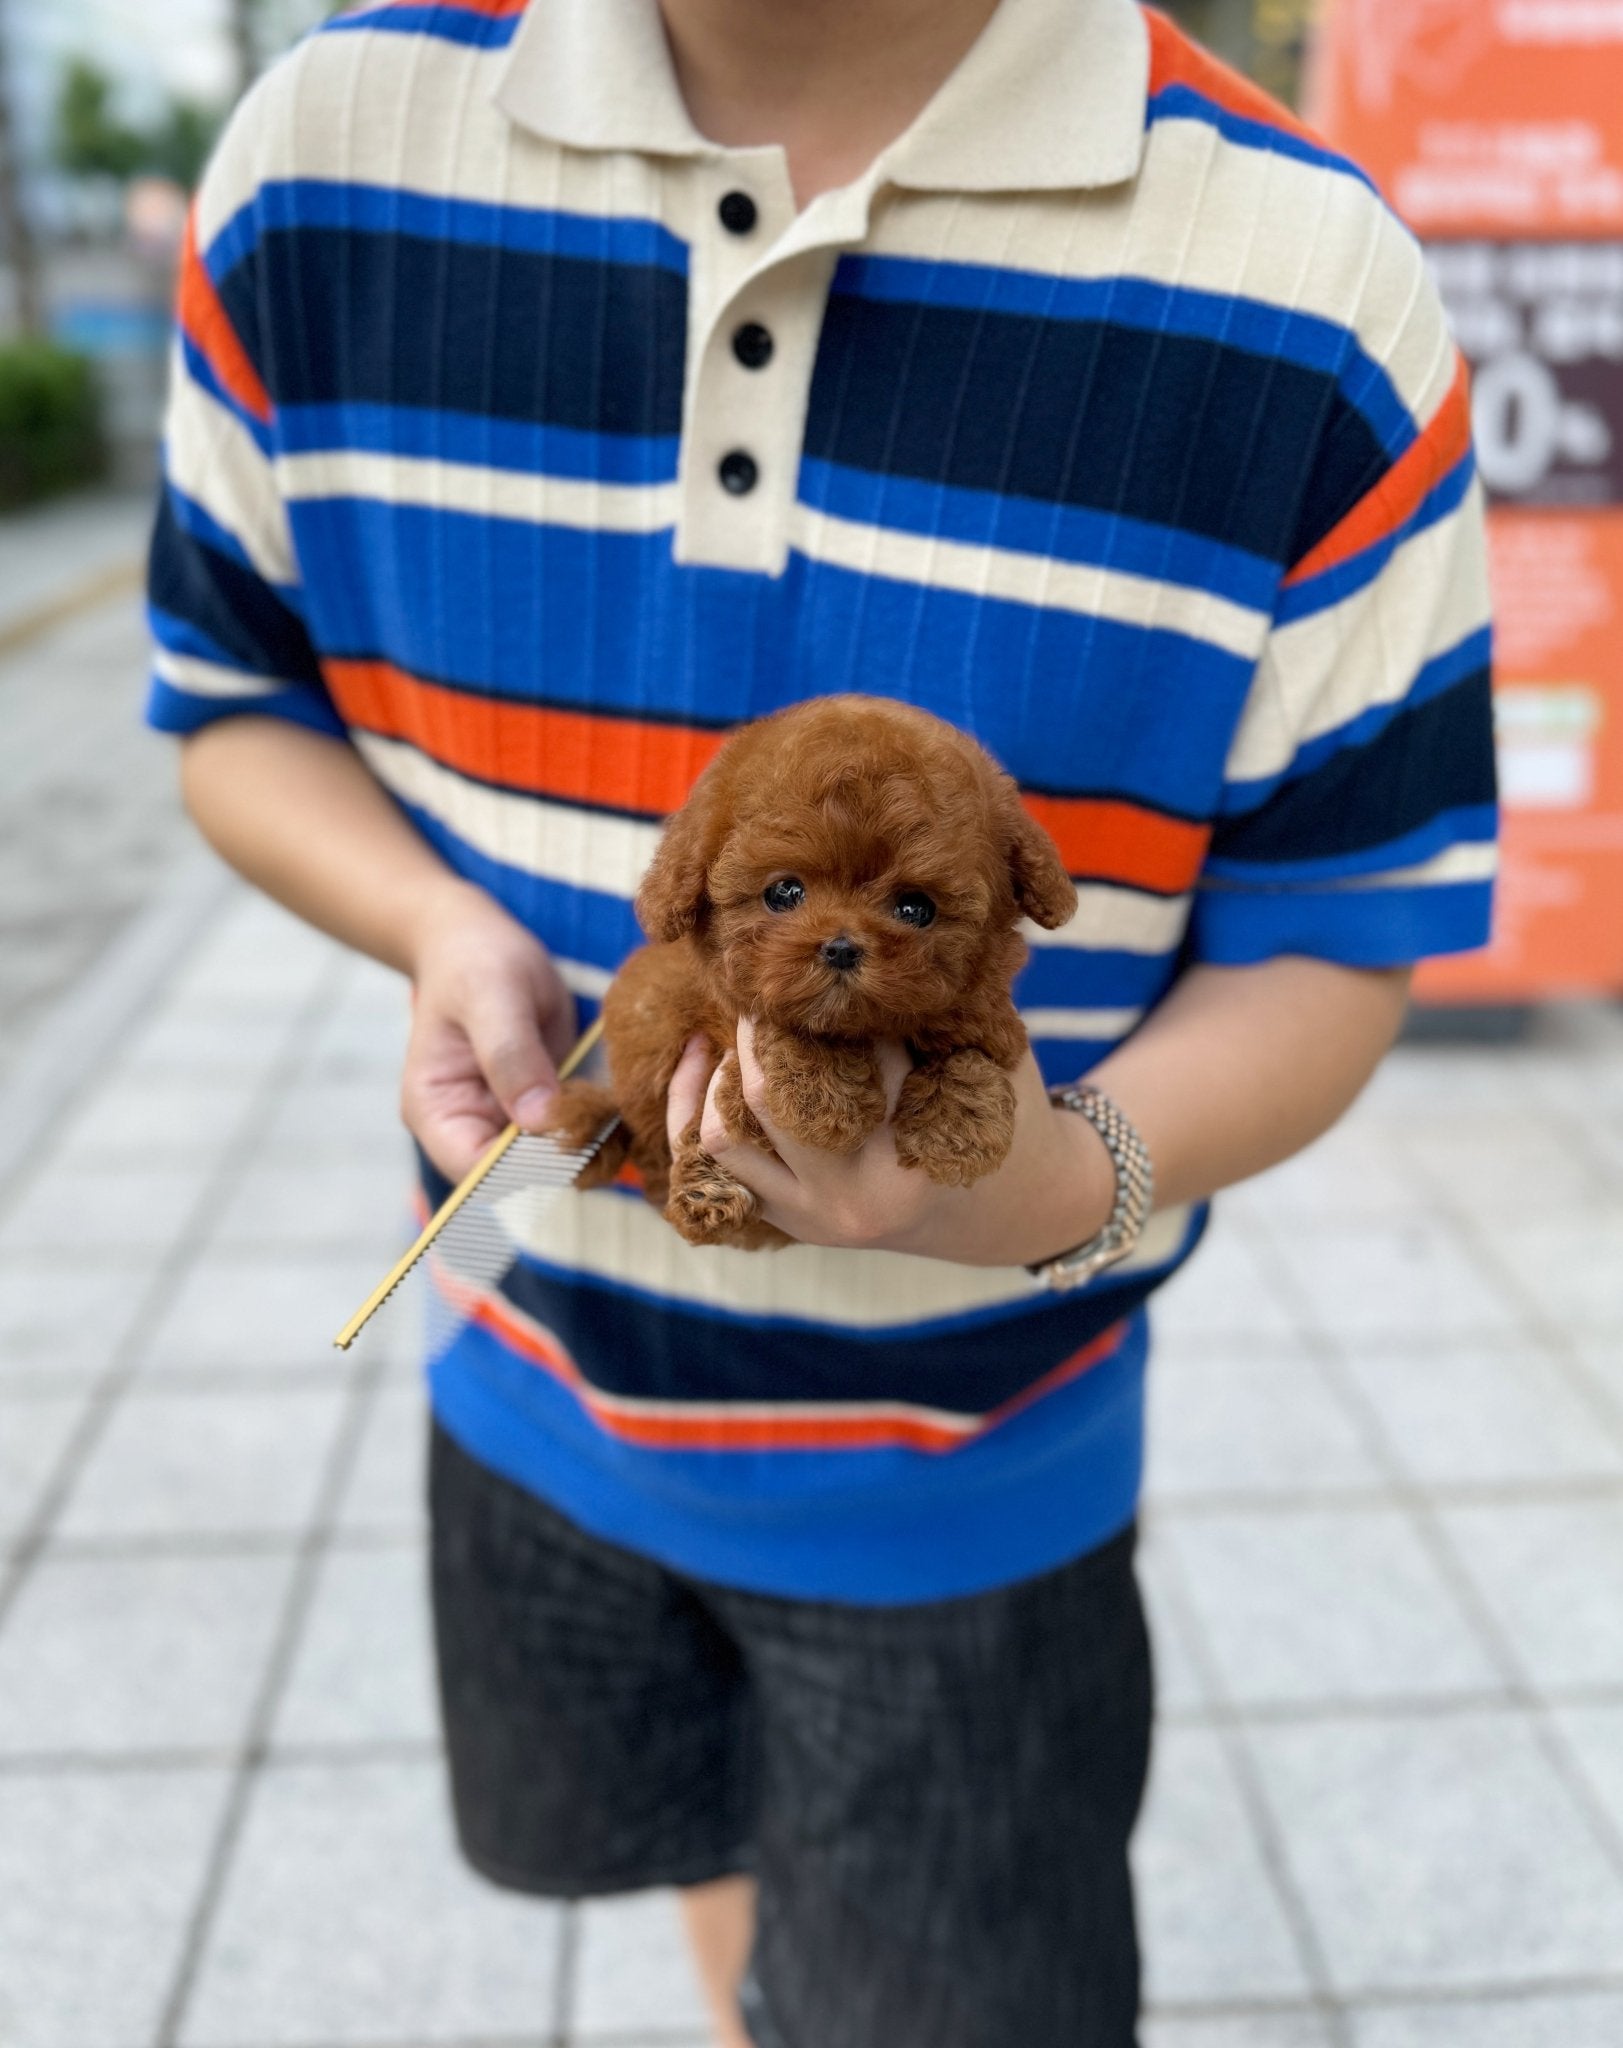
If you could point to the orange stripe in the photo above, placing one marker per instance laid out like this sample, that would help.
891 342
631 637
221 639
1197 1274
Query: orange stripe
574 756
1175 60
204 320
1405 486
722 1432
628 764
1109 840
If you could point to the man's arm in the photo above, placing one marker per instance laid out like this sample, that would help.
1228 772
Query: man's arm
1237 1069
300 816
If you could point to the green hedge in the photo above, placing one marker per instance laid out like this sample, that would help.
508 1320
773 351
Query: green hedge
50 422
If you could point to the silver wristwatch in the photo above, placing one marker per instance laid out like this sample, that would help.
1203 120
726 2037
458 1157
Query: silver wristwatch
1135 1189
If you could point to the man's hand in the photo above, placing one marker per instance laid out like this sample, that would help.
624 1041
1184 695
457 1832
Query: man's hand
1052 1192
491 1018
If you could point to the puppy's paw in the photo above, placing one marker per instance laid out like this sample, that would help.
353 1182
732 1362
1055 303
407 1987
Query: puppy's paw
740 1120
583 1109
828 1095
706 1205
955 1119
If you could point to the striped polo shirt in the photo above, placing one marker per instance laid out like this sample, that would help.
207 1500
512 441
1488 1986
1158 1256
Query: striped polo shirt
529 440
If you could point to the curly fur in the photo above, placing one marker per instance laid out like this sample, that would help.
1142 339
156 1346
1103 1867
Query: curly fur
860 800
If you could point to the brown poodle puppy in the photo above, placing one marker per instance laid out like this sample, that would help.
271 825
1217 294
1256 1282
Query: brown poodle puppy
848 870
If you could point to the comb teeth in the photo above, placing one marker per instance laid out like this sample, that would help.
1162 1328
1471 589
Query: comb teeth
480 1243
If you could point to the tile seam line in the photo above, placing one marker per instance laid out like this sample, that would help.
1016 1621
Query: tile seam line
164 1273
116 579
66 1053
1425 1518
1323 2000
289 1632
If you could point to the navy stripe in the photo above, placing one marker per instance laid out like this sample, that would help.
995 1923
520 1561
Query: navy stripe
283 203
1465 824
1434 757
1183 103
1067 702
1084 413
201 524
478 439
448 24
1066 533
1469 661
521 335
1254 326
233 606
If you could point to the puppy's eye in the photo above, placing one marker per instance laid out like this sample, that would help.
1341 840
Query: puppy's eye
788 894
915 908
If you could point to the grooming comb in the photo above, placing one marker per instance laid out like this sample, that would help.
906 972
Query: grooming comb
473 1237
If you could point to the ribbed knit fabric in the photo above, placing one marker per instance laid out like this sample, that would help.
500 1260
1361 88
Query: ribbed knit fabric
1145 457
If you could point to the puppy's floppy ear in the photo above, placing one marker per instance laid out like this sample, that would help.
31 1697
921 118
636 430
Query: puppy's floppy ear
672 899
1042 888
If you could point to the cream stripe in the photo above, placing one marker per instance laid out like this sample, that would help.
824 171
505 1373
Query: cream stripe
1473 860
1117 920
612 1237
1319 672
208 679
584 848
1028 579
209 455
343 106
470 487
1111 1024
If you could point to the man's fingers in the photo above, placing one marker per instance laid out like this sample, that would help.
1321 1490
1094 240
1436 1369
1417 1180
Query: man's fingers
505 1034
895 1065
684 1099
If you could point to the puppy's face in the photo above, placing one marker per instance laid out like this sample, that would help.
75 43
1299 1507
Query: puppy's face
852 867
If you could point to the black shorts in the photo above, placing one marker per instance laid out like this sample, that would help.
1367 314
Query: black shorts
936 1800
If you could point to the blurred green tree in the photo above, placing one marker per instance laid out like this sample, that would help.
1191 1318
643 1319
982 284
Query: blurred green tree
91 140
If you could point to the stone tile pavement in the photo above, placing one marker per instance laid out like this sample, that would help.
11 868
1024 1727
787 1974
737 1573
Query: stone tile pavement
1384 1557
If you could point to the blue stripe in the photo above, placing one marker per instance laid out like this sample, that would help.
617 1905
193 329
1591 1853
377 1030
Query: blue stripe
1183 103
1332 586
1068 533
481 440
1441 674
284 203
1252 325
184 711
1081 978
1467 823
449 24
1066 701
871 1527
201 372
1356 927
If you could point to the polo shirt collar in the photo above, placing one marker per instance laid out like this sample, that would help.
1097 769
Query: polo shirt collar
1051 97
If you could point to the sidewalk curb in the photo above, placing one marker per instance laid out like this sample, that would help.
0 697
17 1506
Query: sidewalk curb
72 1044
118 579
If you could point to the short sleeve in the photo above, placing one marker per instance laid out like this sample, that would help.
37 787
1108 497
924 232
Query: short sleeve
1358 818
224 601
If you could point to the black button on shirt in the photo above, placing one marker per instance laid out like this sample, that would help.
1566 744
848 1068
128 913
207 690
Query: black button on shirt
752 345
738 472
737 210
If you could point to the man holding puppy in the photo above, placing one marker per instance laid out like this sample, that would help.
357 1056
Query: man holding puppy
562 385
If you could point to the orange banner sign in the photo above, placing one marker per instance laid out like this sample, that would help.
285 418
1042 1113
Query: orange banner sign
1493 128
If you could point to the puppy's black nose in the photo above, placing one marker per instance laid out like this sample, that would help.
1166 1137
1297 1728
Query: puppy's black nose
841 953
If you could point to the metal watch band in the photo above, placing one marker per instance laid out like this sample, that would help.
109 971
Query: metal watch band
1135 1189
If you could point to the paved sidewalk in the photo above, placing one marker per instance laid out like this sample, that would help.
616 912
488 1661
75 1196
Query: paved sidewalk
1384 1556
